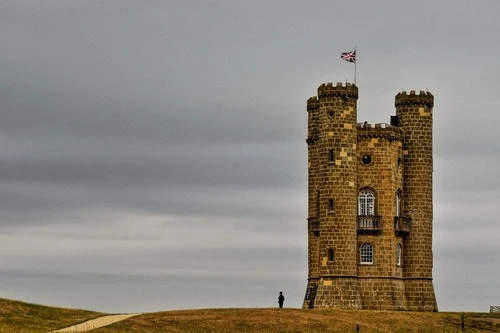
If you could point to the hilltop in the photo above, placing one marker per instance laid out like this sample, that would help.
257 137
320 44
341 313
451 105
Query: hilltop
22 317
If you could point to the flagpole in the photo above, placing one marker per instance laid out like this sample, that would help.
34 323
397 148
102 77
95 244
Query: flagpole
355 63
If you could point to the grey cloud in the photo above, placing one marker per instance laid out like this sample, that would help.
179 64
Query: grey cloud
159 147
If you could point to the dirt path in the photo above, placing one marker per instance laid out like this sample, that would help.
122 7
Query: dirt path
96 323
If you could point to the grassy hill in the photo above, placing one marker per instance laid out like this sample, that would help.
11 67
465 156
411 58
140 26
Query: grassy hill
307 321
22 317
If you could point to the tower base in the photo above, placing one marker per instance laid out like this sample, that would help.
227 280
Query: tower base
420 295
370 294
383 293
333 292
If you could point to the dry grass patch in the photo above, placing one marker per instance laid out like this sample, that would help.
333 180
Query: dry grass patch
295 321
22 317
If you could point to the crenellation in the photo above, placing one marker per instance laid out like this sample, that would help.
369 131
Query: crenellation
312 104
424 99
345 92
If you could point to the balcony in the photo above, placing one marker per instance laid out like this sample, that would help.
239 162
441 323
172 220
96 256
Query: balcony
402 225
369 223
313 224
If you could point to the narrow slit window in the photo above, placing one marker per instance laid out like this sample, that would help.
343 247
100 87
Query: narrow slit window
399 252
398 204
331 205
317 204
331 255
331 156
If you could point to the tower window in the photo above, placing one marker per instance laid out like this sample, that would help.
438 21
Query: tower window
331 255
366 254
317 204
366 159
398 203
366 203
331 205
331 156
399 252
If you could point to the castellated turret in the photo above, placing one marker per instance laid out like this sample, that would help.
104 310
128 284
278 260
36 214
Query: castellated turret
369 204
414 112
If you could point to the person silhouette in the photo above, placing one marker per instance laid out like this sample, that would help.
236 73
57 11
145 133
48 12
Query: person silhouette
281 299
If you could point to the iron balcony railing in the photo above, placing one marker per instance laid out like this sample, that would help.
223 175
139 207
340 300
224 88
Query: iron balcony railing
369 223
402 225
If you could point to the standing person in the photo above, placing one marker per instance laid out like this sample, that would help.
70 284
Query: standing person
281 299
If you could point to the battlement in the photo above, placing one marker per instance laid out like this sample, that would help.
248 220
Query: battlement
380 130
312 104
347 90
424 98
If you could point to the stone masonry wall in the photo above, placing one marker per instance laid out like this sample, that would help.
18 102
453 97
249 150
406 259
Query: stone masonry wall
382 293
338 292
381 283
420 295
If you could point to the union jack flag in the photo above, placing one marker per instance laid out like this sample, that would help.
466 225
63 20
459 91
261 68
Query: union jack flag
349 56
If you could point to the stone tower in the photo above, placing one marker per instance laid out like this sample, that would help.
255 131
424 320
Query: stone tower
415 118
370 204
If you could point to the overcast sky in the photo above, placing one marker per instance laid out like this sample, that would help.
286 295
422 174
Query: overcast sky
153 154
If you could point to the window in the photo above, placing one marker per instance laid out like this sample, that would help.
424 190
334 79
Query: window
398 203
399 252
366 159
331 205
331 255
331 156
366 254
317 204
366 203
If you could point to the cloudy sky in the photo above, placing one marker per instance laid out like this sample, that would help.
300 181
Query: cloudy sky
153 155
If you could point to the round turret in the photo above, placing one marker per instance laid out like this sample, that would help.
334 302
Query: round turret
333 196
414 112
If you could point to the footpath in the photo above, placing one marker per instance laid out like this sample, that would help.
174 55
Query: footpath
96 323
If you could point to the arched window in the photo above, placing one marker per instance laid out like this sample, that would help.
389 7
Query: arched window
399 253
366 203
398 204
366 254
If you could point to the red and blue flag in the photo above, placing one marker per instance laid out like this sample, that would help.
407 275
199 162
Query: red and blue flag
349 56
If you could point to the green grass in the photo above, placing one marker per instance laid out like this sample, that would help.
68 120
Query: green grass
22 317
